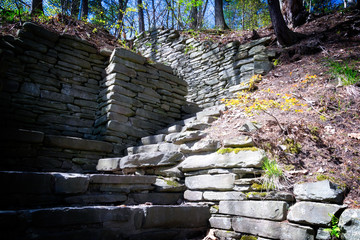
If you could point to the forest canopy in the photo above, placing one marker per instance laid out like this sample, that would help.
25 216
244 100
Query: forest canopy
129 17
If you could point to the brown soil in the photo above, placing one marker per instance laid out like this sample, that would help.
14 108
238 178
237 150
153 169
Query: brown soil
327 133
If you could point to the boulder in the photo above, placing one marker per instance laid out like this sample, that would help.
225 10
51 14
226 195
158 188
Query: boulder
324 191
313 213
349 223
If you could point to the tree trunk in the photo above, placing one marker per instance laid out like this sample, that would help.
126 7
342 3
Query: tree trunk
75 8
219 15
141 16
122 9
284 35
153 13
84 9
36 7
193 17
294 12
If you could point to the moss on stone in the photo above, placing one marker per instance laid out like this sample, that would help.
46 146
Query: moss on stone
172 183
236 150
258 187
258 194
248 237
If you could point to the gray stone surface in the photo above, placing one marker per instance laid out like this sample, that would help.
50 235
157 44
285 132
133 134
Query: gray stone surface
77 143
349 222
142 160
108 164
319 191
180 138
279 196
220 222
153 139
70 183
182 217
168 185
271 229
156 198
211 182
207 145
223 196
241 141
193 195
121 179
244 159
318 214
271 210
322 234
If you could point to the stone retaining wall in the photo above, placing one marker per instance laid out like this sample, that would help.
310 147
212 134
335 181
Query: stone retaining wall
49 82
137 98
62 85
209 69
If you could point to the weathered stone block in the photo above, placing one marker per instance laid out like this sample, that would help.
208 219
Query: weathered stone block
221 196
128 55
220 222
271 229
108 164
193 195
77 143
318 214
211 182
243 159
121 179
241 141
200 146
142 160
349 222
70 183
272 210
319 191
182 217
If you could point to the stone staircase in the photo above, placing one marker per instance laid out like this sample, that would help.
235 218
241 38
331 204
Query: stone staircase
139 196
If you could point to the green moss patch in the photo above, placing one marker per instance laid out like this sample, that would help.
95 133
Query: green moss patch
236 150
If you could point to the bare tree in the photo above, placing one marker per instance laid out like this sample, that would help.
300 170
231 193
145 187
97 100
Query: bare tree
284 35
141 16
75 5
84 9
219 15
194 16
294 12
36 7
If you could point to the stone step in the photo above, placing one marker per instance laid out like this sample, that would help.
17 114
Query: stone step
106 222
140 160
160 147
153 139
45 189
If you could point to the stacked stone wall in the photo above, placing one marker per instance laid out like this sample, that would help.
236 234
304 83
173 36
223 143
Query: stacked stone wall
50 82
137 98
209 69
65 89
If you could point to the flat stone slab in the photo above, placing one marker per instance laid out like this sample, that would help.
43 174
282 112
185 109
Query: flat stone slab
271 229
241 141
77 143
242 159
220 222
183 216
121 179
271 210
108 164
208 145
24 135
324 191
223 196
193 195
143 160
211 182
156 198
350 223
153 139
279 196
188 136
313 213
71 183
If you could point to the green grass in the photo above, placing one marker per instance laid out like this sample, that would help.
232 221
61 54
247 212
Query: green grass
346 72
273 175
